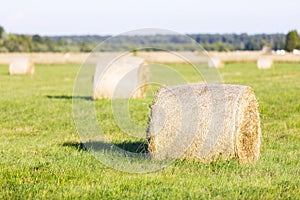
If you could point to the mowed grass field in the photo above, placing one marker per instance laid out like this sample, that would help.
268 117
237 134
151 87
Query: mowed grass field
41 155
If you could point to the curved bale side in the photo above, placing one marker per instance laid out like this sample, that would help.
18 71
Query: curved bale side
264 63
205 122
21 66
125 78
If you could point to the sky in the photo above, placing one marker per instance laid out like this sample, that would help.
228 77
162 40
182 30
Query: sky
112 17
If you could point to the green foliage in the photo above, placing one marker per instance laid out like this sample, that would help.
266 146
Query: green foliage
41 156
1 31
252 45
18 43
84 47
37 39
218 46
3 49
42 44
211 42
292 41
134 51
279 44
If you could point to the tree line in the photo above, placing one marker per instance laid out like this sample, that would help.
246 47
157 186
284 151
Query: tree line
10 42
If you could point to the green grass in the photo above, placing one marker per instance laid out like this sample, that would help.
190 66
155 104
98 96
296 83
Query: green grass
41 155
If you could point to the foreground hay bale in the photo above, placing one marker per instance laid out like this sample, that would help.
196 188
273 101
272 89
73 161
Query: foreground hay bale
205 122
215 63
124 78
264 63
21 66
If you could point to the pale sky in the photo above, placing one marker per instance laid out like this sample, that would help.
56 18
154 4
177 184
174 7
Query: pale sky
68 17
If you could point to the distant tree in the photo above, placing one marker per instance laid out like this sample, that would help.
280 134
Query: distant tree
198 39
1 31
220 46
213 42
83 47
279 44
292 41
18 43
3 50
134 51
244 36
12 43
252 45
265 43
49 43
37 39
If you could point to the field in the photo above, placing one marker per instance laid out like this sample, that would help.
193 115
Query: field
160 57
41 155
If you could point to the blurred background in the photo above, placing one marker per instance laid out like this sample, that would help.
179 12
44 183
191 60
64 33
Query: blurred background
68 26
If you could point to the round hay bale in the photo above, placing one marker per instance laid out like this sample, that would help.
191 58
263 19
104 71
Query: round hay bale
215 63
21 66
67 57
124 78
205 122
264 63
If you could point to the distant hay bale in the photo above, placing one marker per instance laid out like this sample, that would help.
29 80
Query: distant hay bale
215 63
205 122
67 57
296 52
124 78
264 63
21 66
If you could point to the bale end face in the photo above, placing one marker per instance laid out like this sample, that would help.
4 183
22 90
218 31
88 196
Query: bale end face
248 130
21 66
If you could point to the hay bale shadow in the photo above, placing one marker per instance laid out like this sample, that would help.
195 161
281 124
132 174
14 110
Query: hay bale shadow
69 97
134 147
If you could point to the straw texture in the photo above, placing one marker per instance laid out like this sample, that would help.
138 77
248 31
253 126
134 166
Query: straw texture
124 78
21 66
205 122
264 63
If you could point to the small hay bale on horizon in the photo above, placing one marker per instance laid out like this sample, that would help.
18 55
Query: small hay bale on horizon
205 122
215 63
125 78
264 63
21 66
